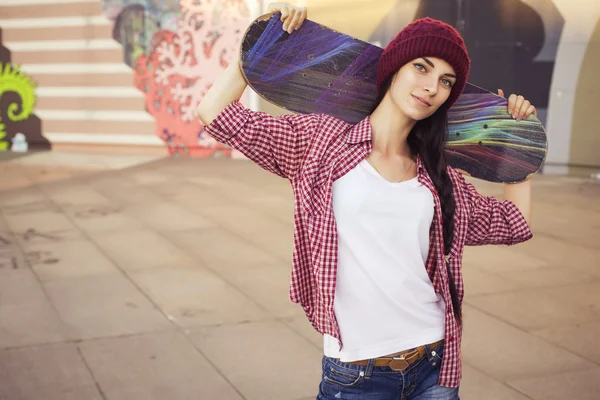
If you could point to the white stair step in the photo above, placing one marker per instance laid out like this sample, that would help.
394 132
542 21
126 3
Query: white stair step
96 68
104 138
28 23
4 3
90 115
57 158
83 91
57 45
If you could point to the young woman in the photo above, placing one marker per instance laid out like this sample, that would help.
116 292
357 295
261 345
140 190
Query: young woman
381 220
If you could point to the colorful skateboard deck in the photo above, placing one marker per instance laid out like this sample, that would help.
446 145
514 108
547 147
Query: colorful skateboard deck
319 70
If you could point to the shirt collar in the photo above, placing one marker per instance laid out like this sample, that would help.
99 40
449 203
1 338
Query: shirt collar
361 132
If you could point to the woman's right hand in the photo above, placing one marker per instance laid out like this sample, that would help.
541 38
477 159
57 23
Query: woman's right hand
291 16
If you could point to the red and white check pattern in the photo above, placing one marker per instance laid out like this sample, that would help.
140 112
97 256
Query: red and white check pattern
312 151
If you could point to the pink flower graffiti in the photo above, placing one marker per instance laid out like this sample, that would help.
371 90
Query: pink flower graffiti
182 66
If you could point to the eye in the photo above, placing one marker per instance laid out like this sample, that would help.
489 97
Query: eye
447 82
420 67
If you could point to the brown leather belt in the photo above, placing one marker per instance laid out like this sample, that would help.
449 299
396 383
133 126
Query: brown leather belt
399 361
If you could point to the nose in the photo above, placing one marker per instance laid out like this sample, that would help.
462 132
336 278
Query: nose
431 87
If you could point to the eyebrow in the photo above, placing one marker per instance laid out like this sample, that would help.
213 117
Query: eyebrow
433 66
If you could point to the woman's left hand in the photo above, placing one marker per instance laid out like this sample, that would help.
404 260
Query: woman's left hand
518 106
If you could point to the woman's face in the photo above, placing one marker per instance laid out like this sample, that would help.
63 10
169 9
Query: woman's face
421 86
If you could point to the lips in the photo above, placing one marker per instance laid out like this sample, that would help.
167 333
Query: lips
426 103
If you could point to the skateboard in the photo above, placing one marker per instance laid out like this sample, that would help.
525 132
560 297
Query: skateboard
319 70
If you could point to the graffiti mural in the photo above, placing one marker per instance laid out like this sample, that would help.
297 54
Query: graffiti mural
20 129
178 48
182 67
542 49
137 21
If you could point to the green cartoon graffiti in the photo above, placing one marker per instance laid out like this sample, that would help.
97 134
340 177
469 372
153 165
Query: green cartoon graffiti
13 80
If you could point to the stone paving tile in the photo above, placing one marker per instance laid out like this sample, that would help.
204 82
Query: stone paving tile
268 286
19 197
30 324
53 372
103 305
68 259
564 222
72 194
559 253
15 183
556 276
222 250
498 259
174 189
580 385
102 218
302 327
242 191
279 208
167 216
531 309
124 193
264 361
142 249
194 198
154 367
583 295
149 177
37 203
506 352
479 281
42 228
581 338
26 315
193 298
478 386
246 222
267 233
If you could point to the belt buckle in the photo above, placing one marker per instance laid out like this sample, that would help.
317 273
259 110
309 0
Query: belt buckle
398 364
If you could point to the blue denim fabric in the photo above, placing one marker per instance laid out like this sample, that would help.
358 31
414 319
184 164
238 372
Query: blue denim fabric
345 381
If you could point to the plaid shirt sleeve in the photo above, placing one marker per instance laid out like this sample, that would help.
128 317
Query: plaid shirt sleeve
277 144
492 221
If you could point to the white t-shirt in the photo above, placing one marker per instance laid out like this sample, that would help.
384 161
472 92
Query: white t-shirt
384 299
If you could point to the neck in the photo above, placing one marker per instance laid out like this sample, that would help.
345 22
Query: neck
391 128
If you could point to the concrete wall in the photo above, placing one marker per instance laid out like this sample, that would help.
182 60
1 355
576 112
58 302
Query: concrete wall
127 74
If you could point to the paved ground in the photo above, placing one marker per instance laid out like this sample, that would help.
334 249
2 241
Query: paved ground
169 280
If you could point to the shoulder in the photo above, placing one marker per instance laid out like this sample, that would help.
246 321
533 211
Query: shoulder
334 124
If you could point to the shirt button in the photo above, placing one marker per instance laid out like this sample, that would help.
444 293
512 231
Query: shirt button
451 339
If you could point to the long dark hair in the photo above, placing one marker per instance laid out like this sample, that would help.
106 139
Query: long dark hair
428 139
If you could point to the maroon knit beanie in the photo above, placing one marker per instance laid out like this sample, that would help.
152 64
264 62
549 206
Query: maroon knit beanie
426 37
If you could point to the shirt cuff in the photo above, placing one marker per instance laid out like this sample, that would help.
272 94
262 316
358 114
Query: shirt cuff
519 227
228 123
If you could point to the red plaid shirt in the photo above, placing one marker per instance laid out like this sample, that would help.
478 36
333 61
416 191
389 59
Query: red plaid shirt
314 150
